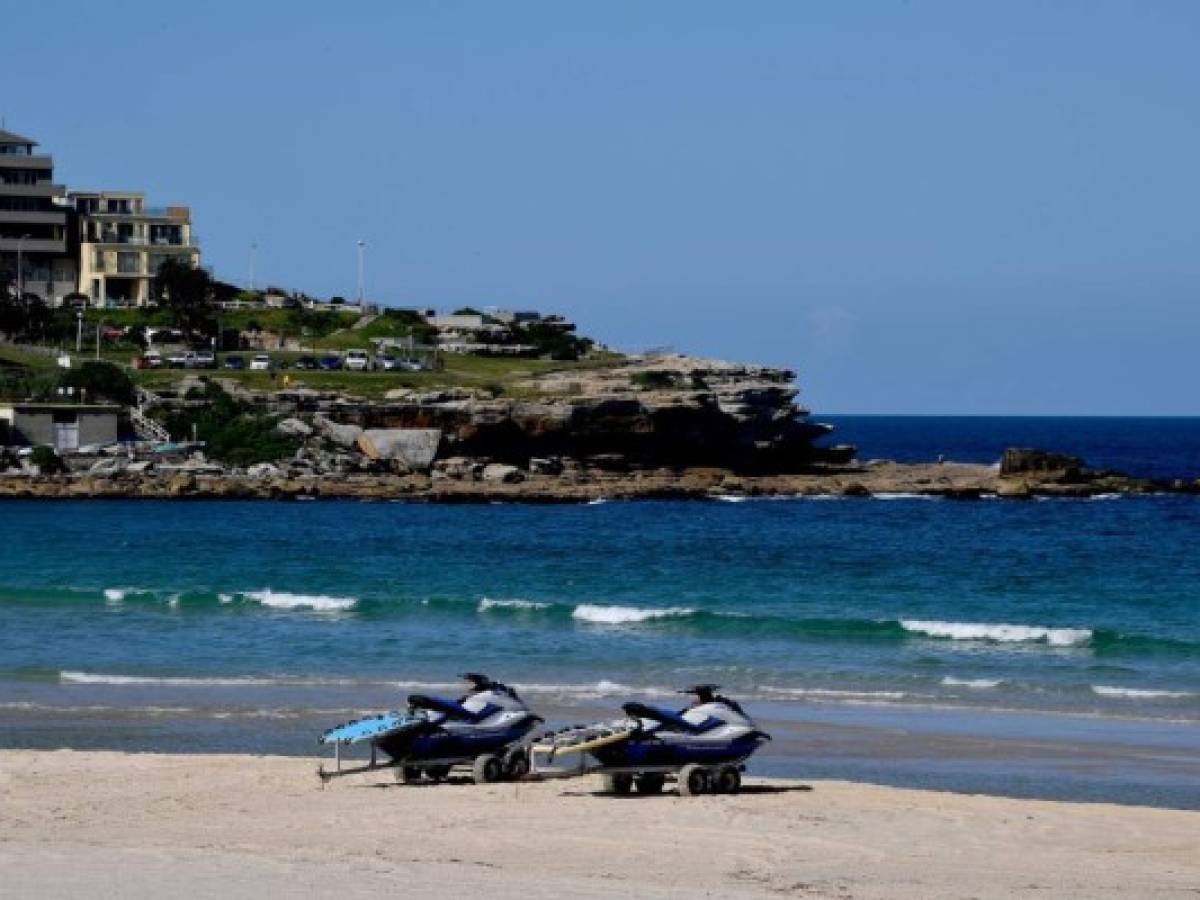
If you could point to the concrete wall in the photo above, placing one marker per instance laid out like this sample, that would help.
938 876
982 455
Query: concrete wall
38 426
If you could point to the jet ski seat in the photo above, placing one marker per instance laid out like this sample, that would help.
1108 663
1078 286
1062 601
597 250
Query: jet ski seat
670 720
448 708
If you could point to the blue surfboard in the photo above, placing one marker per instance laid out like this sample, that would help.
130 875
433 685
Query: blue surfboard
369 728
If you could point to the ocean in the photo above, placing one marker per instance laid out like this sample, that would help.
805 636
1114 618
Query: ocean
1043 648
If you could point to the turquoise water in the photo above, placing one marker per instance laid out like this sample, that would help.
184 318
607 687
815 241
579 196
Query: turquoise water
1047 648
1081 606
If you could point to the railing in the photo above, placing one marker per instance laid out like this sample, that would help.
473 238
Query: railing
145 427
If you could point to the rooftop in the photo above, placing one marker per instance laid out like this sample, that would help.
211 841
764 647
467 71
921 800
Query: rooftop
7 137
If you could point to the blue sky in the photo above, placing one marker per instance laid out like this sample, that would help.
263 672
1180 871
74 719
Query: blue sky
925 207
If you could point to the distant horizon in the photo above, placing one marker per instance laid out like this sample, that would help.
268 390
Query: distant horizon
923 209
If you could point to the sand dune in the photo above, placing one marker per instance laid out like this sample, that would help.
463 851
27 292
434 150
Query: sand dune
110 824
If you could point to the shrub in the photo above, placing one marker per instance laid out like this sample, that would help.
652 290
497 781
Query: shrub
47 461
654 379
232 431
100 380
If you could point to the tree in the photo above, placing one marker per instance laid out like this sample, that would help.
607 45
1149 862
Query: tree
100 379
187 292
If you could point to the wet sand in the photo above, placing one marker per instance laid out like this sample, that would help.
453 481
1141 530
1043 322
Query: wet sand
139 825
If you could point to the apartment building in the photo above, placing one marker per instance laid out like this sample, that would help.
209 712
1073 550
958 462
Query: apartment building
35 251
122 242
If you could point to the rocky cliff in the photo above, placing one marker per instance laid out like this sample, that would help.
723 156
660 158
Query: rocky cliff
640 413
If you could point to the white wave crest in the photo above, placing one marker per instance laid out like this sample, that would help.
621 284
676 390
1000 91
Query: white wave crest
625 615
732 498
115 595
902 495
834 694
488 603
597 501
973 631
67 677
1139 693
975 684
284 600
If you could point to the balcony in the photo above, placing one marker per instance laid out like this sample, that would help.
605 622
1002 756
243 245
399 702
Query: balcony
39 189
33 217
30 245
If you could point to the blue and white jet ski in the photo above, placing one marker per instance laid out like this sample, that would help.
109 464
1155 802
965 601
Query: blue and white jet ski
483 729
704 746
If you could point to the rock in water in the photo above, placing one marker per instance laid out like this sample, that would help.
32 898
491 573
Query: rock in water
1019 460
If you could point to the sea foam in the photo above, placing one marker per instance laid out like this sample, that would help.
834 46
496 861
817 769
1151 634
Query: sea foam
625 615
975 684
974 631
488 603
1139 693
284 600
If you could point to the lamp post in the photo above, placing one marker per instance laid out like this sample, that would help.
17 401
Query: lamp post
21 268
78 330
362 246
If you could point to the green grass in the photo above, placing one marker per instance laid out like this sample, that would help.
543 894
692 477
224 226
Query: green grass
460 371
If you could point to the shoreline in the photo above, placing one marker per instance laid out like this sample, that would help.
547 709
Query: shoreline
143 825
948 480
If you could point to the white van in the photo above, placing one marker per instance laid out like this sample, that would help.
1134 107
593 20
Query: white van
358 361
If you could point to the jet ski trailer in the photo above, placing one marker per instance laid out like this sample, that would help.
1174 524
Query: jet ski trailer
485 733
703 747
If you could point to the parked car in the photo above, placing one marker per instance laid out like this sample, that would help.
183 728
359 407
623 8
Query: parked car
153 359
202 359
387 362
330 363
306 363
261 362
178 359
411 365
358 361
237 363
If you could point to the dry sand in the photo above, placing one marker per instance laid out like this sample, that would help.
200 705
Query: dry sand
118 825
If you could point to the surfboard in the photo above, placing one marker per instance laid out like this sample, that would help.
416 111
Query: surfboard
368 728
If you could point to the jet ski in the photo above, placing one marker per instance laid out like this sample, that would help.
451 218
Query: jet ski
483 729
704 745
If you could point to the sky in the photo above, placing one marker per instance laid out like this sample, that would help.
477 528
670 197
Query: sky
921 207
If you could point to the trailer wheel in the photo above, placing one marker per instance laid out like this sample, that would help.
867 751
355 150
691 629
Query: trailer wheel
409 774
487 769
693 780
618 784
516 766
437 773
650 783
728 780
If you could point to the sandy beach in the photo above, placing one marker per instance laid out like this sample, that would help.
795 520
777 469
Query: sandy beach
138 825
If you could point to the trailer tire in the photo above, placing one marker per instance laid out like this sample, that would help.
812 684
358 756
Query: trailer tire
650 783
516 766
728 780
693 780
487 769
618 784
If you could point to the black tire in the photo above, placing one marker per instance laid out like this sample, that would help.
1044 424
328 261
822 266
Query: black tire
650 783
618 784
409 774
516 766
728 780
488 769
693 780
437 773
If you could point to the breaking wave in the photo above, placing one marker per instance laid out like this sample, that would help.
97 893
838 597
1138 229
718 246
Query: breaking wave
975 684
625 615
488 603
1004 634
1139 693
284 600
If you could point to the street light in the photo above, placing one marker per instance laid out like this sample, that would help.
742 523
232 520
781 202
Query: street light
362 246
79 331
